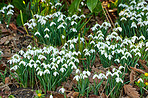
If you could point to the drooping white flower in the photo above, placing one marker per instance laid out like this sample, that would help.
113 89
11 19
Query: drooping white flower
46 29
77 77
140 80
58 4
62 90
121 67
46 36
133 25
37 33
62 70
108 73
52 23
51 96
119 80
73 30
55 73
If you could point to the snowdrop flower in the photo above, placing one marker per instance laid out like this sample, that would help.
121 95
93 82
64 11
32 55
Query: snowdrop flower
42 57
123 57
46 71
133 25
51 96
62 90
58 4
121 67
69 18
62 70
21 52
10 6
73 29
142 37
115 73
117 60
82 3
110 57
114 69
14 68
60 26
95 76
101 75
46 29
55 73
77 71
119 80
73 22
40 73
46 36
83 16
123 18
37 33
22 62
9 13
2 11
75 17
138 53
108 73
76 77
52 23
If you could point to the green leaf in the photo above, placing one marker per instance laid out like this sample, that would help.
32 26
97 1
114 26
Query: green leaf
19 4
91 4
18 20
74 6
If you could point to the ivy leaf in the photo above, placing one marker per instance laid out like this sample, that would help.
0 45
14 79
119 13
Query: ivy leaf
91 4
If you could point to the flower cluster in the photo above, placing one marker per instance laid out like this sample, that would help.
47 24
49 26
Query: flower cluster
53 28
134 18
5 14
49 65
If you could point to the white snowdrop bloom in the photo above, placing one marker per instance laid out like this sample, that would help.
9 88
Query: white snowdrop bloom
2 11
72 46
123 57
22 62
35 65
46 29
21 52
42 21
29 47
121 67
123 18
63 36
119 80
60 26
133 25
146 44
68 18
115 74
62 70
9 13
87 54
118 71
46 71
73 29
92 42
53 67
82 3
142 37
110 57
10 6
95 76
37 33
84 76
42 57
114 69
46 36
88 73
4 8
114 33
127 54
75 16
108 73
79 11
140 23
117 60
40 73
74 67
140 80
92 51
101 76
60 19
76 77
14 68
51 96
138 53
52 23
77 71
58 4
55 73
83 16
73 22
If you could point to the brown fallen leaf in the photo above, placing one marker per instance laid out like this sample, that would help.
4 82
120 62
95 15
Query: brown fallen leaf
94 96
137 70
131 92
132 76
4 39
143 63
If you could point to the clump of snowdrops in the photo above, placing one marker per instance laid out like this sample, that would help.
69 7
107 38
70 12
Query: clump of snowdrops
113 82
49 66
113 49
56 28
134 19
5 14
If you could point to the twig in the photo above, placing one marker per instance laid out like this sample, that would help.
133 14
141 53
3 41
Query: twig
110 18
106 16
145 89
111 90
